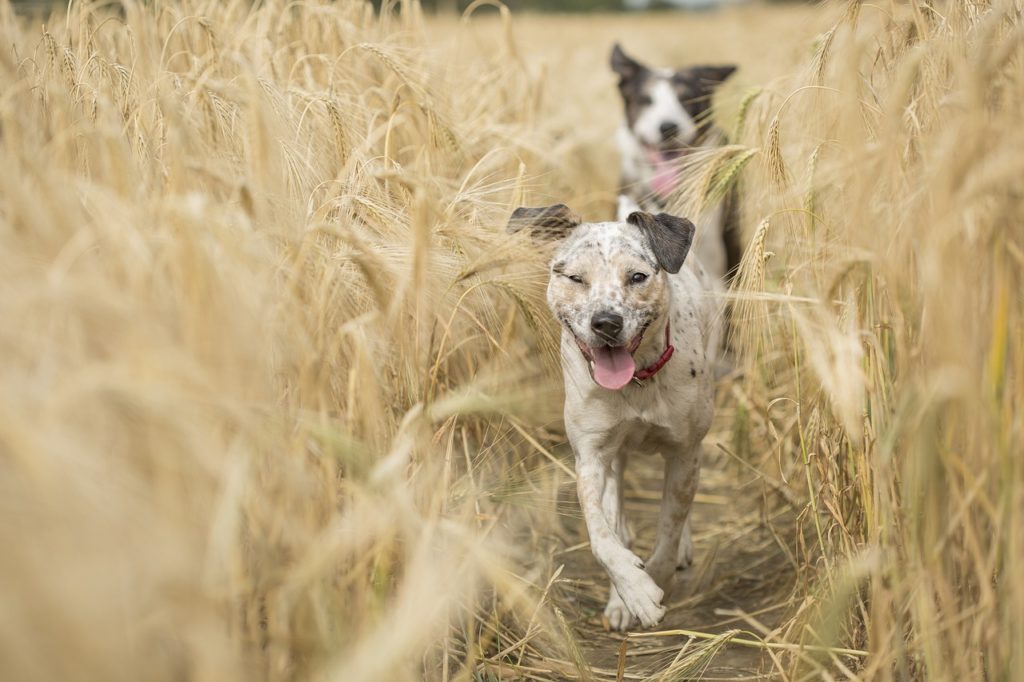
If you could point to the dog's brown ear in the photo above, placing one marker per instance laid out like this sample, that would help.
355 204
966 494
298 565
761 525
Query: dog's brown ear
624 65
546 222
712 76
670 237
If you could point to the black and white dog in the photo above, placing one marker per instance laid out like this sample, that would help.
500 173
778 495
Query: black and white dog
668 115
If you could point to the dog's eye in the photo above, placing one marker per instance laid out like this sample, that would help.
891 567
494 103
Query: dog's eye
576 278
638 278
645 100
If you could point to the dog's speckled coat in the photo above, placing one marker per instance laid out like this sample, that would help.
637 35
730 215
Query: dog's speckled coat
670 413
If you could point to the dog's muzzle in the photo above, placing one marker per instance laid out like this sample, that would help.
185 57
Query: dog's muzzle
611 365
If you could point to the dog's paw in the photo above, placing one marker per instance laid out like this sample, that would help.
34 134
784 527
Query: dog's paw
641 595
684 557
616 616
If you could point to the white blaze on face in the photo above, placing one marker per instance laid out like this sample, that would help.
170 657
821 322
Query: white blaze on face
664 108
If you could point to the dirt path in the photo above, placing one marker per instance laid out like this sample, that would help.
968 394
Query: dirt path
741 567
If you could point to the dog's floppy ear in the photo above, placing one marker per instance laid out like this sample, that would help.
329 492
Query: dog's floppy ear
627 67
670 237
545 222
712 76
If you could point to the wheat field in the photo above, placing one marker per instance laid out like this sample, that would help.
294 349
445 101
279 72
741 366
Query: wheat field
280 398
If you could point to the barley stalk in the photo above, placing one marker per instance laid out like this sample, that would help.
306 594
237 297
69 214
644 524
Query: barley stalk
281 399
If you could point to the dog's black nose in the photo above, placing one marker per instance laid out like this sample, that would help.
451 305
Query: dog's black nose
669 130
606 325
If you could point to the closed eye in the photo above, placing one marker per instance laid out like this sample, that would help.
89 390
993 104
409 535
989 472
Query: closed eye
638 278
644 100
576 278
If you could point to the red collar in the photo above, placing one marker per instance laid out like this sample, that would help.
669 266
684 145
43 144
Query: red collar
648 372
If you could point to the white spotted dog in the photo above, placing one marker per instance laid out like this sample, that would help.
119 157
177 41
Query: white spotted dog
667 116
639 333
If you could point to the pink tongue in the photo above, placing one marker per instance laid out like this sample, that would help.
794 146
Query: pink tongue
613 367
666 173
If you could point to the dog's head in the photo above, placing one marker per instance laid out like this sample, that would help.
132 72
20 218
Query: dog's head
667 111
608 281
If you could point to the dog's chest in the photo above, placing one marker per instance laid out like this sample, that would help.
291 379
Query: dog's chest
665 417
643 436
643 420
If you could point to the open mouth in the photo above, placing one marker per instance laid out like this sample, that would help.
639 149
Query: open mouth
612 367
665 161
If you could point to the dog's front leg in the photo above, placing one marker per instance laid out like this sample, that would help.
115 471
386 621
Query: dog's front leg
616 615
611 500
636 589
681 474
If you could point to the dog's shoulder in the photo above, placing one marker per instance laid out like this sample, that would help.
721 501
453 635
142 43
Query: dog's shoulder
695 281
698 299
